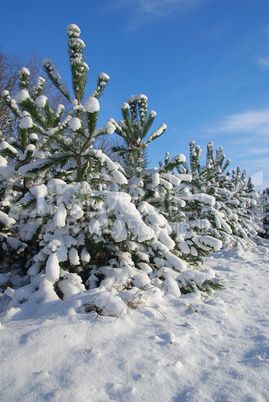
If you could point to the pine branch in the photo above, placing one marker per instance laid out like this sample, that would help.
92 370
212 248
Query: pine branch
55 77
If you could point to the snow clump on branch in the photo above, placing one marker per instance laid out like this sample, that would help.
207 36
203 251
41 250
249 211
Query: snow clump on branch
92 105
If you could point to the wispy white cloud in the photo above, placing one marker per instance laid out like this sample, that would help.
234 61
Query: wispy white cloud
252 121
142 11
158 8
245 138
261 163
254 151
218 30
264 62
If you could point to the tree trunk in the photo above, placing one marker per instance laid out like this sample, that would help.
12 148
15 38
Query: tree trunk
79 178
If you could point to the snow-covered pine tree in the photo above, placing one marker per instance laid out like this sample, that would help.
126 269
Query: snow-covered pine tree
157 191
243 202
133 129
264 207
191 230
16 153
50 143
92 227
230 217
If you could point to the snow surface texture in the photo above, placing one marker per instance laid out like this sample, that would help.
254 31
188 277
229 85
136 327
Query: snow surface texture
182 349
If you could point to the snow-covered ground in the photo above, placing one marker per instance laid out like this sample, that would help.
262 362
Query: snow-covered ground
184 349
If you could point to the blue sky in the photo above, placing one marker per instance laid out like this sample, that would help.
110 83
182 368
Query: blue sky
204 65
